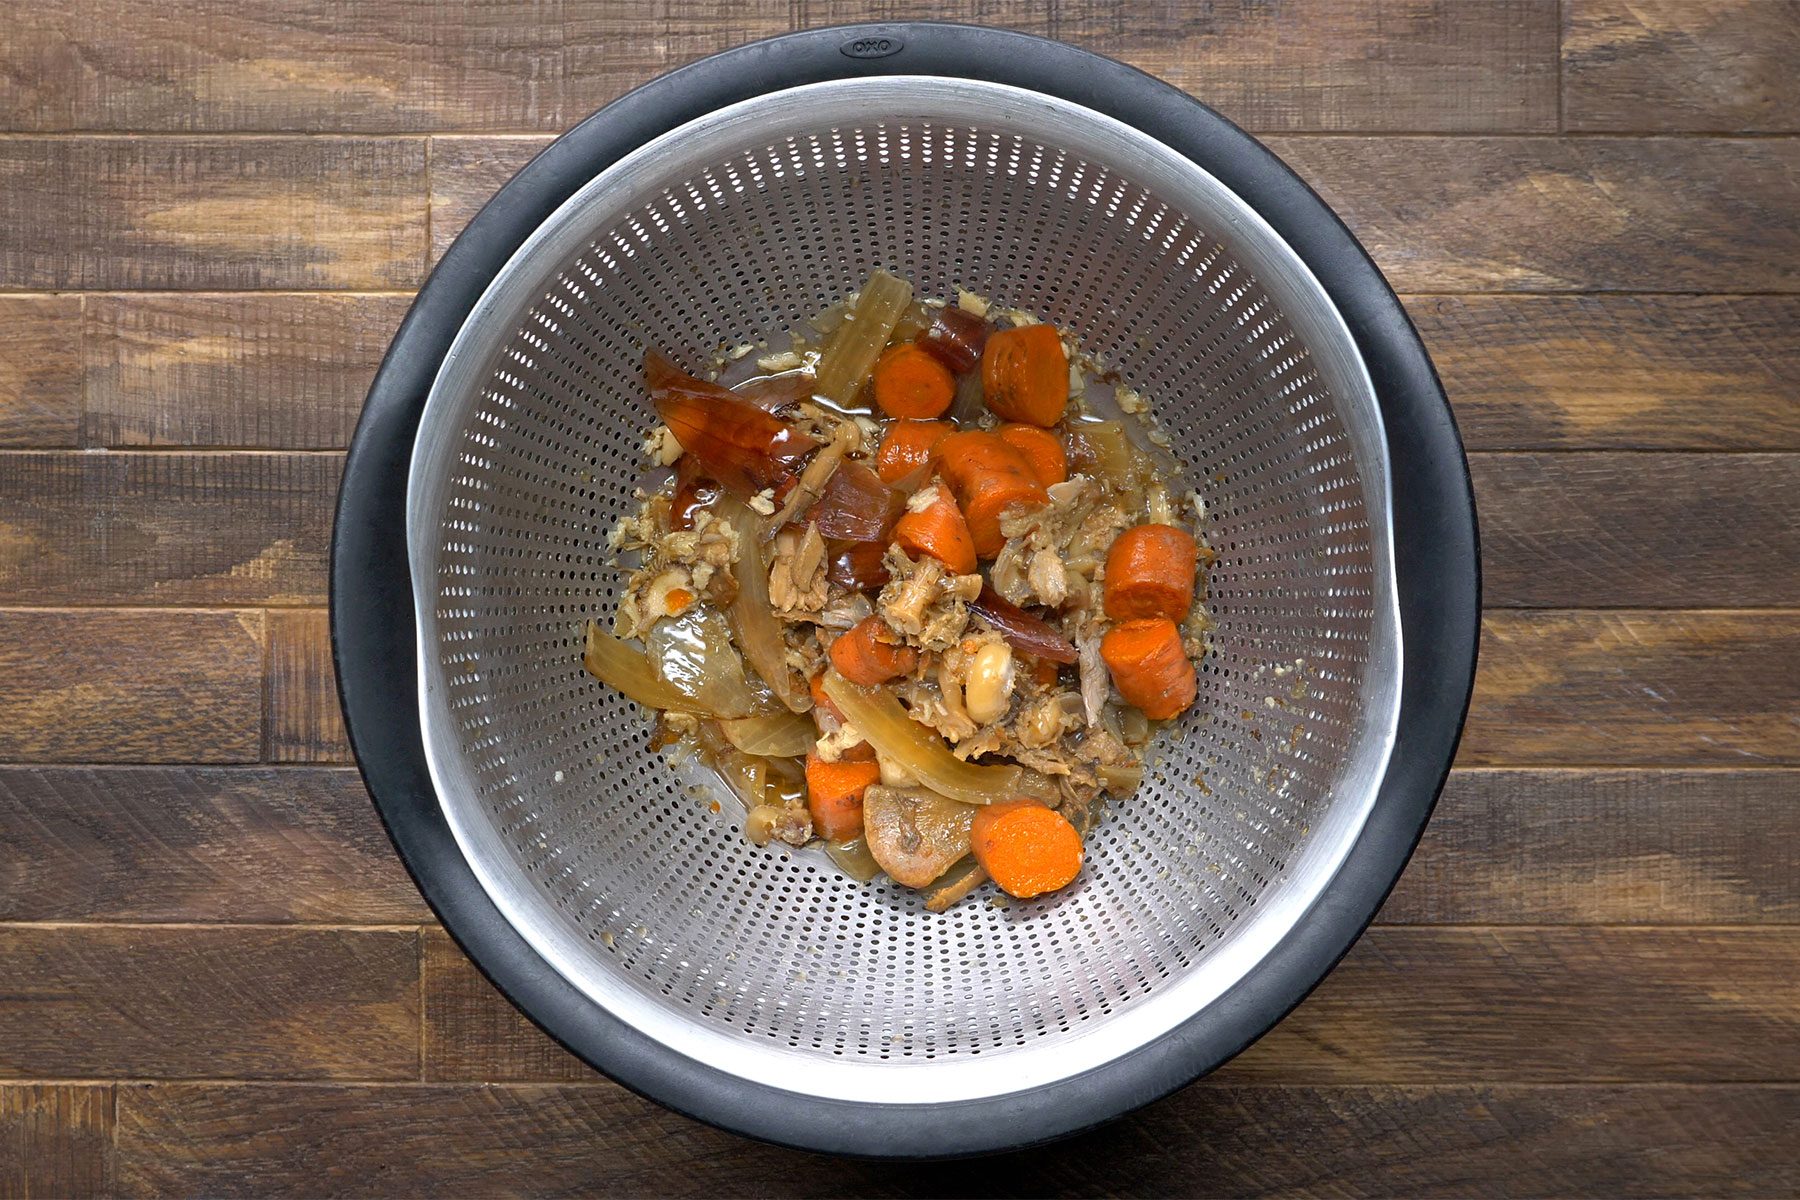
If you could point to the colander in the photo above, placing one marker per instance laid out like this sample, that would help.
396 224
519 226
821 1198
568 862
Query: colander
592 878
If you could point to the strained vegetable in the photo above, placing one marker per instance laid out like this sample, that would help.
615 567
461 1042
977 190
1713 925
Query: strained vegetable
913 600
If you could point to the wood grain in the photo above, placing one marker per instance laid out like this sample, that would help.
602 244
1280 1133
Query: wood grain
465 174
166 528
422 65
1721 67
1431 65
197 844
1548 214
1635 687
283 371
194 1001
473 1033
40 371
119 685
55 1139
1406 1005
304 722
1645 530
185 213
1544 1006
1626 847
1458 1141
1618 372
316 66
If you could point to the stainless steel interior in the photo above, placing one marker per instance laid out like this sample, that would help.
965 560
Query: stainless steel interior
765 962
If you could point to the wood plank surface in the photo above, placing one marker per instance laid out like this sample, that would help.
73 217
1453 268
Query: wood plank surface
195 844
473 1033
184 213
314 66
1407 1005
1639 530
465 174
40 371
1618 372
1215 1139
166 528
1724 66
281 370
304 722
118 685
202 1002
1564 1005
1636 687
55 1139
1565 215
1629 847
422 65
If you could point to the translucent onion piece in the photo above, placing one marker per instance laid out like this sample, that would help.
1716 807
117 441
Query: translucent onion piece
736 443
970 402
878 716
860 566
856 505
773 392
772 735
955 338
753 618
955 884
853 859
855 345
1022 631
1120 782
693 655
622 666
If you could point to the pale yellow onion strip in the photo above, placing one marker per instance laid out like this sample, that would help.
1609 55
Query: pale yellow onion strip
850 355
878 716
772 735
618 665
753 619
853 859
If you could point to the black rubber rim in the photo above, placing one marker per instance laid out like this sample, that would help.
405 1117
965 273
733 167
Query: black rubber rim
1435 545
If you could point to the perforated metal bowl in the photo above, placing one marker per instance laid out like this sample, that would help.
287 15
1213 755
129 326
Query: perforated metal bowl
758 988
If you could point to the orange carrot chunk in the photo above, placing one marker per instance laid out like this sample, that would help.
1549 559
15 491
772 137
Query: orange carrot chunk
1149 666
834 795
1025 375
907 446
1150 573
1025 848
1042 449
910 383
863 658
940 531
987 477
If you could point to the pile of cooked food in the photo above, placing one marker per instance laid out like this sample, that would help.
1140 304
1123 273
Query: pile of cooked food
907 592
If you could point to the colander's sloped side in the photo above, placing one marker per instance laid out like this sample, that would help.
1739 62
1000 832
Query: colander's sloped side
619 868
757 989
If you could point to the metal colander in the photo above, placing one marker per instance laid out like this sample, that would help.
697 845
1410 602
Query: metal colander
624 870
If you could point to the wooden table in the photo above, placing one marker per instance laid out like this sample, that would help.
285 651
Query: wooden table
214 976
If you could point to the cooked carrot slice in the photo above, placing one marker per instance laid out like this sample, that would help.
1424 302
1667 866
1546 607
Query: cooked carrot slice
906 446
1026 848
1150 573
863 658
1025 375
1150 667
987 476
834 794
1041 448
911 383
940 531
